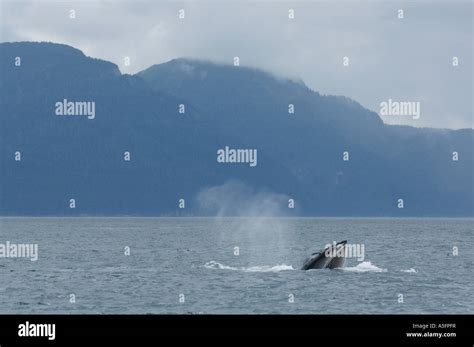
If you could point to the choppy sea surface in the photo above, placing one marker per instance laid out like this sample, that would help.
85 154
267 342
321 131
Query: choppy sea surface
236 265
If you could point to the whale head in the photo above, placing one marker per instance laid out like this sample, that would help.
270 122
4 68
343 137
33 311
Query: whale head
333 256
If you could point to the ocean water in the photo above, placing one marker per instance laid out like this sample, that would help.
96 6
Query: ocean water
190 266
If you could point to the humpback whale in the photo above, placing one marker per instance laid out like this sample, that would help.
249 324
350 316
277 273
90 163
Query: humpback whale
329 258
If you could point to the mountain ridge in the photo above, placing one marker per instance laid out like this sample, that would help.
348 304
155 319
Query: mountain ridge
300 155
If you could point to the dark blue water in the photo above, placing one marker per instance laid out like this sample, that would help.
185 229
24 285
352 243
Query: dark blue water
193 260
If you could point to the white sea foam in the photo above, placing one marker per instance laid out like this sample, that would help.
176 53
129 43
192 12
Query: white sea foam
365 266
264 268
411 270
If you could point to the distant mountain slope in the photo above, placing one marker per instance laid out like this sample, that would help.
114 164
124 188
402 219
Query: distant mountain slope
173 155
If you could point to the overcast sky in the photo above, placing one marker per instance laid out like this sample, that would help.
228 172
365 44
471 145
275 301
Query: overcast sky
407 59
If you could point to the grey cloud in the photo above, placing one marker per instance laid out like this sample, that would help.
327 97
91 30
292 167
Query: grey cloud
405 59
